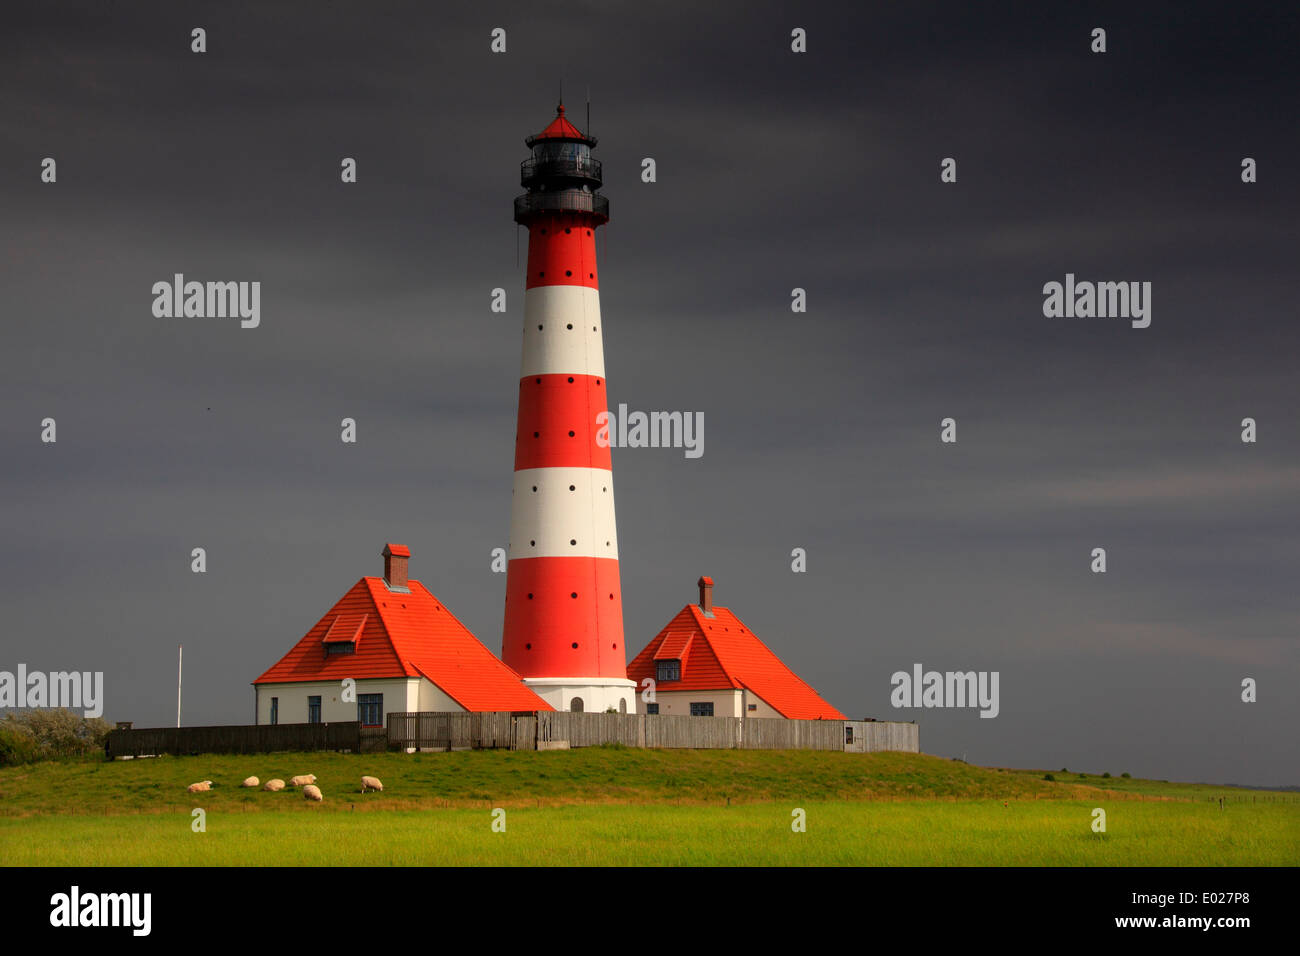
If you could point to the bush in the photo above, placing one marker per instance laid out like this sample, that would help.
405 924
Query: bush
17 746
32 735
1126 776
1048 776
1106 775
1063 770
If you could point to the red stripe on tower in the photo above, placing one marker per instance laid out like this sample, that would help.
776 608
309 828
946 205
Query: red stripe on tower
564 610
557 422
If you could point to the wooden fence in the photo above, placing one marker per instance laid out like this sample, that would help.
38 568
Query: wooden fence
238 739
521 731
462 731
870 736
775 734
550 729
696 733
588 730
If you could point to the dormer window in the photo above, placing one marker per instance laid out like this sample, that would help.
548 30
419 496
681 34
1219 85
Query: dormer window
343 634
668 671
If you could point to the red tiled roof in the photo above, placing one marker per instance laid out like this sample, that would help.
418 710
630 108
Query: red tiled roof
724 654
404 635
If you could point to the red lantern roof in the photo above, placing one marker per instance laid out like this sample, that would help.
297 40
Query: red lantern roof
560 128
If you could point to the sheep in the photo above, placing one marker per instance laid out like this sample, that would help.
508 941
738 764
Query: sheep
311 792
250 782
370 783
201 787
274 785
302 779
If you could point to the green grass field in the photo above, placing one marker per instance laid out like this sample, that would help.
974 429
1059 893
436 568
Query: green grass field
614 806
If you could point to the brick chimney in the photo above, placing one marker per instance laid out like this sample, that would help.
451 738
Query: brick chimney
395 558
706 595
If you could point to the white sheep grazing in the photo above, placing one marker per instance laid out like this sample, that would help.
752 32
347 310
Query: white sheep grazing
274 785
370 783
311 792
250 782
200 787
302 780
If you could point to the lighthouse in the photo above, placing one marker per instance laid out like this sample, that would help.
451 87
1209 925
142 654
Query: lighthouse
563 629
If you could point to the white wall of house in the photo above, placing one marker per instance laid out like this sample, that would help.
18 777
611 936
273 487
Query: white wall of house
726 703
761 707
677 703
400 694
432 698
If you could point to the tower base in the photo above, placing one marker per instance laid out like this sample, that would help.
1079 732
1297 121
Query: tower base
596 694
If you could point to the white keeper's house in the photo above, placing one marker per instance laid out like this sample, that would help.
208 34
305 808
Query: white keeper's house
404 650
707 663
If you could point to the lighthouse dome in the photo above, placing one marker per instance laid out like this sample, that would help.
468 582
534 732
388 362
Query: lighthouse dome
561 175
560 129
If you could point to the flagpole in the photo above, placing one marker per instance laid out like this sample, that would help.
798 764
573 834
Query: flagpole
180 651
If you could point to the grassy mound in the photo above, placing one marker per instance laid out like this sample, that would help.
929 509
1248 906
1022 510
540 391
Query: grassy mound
594 775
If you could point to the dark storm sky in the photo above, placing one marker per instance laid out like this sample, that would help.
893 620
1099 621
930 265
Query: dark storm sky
775 170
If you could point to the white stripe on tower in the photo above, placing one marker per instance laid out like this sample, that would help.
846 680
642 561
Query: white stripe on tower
550 347
563 512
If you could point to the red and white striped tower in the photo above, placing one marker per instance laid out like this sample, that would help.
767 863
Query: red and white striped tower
564 608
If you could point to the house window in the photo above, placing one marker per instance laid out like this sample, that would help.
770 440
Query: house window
275 710
753 706
652 708
370 709
702 708
848 733
340 647
668 671
313 710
